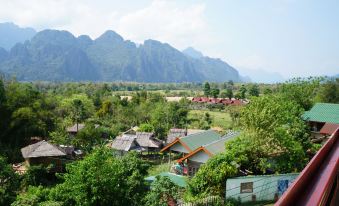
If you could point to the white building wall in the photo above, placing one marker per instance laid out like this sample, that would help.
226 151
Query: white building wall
265 187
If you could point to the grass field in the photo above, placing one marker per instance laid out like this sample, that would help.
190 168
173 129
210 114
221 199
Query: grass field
156 169
220 119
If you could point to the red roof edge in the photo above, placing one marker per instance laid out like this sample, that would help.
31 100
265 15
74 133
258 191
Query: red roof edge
313 185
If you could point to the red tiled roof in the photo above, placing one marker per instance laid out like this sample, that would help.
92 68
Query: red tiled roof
218 100
329 128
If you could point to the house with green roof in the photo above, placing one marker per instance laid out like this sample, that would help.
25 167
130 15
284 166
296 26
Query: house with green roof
202 154
191 142
319 115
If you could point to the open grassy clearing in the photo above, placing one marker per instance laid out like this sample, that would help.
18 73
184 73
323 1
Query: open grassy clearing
157 169
220 119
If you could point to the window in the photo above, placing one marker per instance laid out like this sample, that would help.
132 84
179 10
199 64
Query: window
246 187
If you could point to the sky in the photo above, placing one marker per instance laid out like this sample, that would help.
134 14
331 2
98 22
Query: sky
289 37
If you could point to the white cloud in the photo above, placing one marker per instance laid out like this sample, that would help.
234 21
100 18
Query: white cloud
174 22
79 17
167 22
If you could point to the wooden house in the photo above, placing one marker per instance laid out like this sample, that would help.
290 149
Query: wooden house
191 142
125 143
328 129
177 133
136 141
174 133
44 153
73 130
202 154
148 142
319 115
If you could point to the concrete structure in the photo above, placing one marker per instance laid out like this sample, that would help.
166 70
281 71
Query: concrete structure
258 188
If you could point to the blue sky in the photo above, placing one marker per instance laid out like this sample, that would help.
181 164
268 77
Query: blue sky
291 37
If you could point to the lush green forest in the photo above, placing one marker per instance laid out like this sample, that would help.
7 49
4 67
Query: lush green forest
274 137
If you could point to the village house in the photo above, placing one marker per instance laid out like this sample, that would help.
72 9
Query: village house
189 143
124 143
176 132
224 101
148 142
328 129
323 120
136 141
73 130
202 154
44 153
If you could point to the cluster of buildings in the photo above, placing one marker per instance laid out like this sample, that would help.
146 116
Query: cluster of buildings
323 120
221 101
193 148
133 140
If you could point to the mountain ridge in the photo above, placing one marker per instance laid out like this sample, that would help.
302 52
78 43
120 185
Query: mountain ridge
55 55
11 34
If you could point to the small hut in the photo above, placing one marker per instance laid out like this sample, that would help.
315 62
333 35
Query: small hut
44 153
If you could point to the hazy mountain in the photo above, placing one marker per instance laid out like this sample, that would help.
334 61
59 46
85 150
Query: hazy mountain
58 55
260 76
191 52
10 34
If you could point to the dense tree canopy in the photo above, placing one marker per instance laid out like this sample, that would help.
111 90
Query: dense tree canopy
207 89
274 138
329 91
8 183
163 191
98 179
300 90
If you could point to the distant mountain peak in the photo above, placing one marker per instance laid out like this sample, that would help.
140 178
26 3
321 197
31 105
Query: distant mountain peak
110 36
55 37
152 42
10 34
85 37
191 52
53 55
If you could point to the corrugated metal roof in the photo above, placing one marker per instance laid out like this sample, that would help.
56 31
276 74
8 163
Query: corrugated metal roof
124 142
219 145
196 140
146 139
329 128
42 149
174 133
323 112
